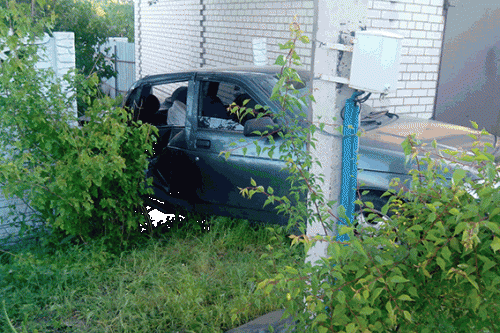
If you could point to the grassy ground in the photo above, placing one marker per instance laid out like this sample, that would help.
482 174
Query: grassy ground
187 280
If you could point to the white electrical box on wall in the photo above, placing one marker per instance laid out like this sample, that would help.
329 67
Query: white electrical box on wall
375 61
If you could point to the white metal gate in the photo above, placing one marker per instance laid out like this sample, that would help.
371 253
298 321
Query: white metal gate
121 55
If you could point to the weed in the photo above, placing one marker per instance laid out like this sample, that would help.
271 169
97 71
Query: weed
187 280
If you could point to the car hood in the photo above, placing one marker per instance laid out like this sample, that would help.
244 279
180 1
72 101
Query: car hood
381 150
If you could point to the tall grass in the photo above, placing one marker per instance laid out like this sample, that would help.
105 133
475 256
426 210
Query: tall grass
187 280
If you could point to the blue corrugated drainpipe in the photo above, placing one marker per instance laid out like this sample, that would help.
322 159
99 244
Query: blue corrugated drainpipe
349 161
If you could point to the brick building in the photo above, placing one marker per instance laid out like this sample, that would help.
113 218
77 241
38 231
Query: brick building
175 35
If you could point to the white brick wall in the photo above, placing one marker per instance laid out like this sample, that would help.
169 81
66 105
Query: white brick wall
168 36
176 35
421 23
231 25
172 35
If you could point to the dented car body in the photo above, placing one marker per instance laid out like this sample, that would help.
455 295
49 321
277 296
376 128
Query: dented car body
190 111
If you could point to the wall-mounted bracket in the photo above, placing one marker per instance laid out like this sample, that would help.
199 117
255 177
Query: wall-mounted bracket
333 78
338 47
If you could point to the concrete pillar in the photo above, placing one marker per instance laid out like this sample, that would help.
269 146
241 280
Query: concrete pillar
336 21
65 52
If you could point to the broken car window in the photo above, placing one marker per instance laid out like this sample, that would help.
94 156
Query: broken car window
215 99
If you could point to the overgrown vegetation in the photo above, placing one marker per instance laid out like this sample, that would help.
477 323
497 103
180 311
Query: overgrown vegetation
82 180
185 281
433 267
92 21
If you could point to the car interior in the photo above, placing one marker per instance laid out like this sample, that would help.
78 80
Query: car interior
165 106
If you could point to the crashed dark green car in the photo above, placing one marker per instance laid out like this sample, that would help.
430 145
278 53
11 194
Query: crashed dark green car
190 111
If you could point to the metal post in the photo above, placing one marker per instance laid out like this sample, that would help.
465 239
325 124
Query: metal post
116 70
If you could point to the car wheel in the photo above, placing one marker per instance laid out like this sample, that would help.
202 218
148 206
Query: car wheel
366 217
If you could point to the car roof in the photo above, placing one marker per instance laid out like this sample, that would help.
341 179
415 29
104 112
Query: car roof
237 70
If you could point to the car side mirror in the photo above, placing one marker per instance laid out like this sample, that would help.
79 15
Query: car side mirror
263 124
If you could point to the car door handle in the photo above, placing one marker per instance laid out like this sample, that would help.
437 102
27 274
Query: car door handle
202 143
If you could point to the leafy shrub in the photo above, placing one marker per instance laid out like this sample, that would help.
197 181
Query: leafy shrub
84 180
93 22
433 267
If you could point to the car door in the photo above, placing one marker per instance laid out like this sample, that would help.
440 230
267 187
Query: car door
220 179
170 167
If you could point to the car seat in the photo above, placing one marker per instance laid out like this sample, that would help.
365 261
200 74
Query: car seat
149 108
180 94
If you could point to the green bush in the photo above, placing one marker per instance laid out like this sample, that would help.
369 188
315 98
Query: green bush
84 180
93 22
433 267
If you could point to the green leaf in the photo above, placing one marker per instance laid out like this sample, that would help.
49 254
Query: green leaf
388 307
304 39
291 270
441 263
432 217
269 200
341 297
351 328
458 175
407 315
459 228
321 318
257 149
495 244
359 247
268 289
405 298
366 311
385 209
376 293
280 60
493 226
398 279
277 87
322 329
253 182
446 253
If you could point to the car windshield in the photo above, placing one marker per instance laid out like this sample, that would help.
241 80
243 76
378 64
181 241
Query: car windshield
269 81
369 118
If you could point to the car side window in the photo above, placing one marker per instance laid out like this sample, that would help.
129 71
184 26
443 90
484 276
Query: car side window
160 104
133 99
215 99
